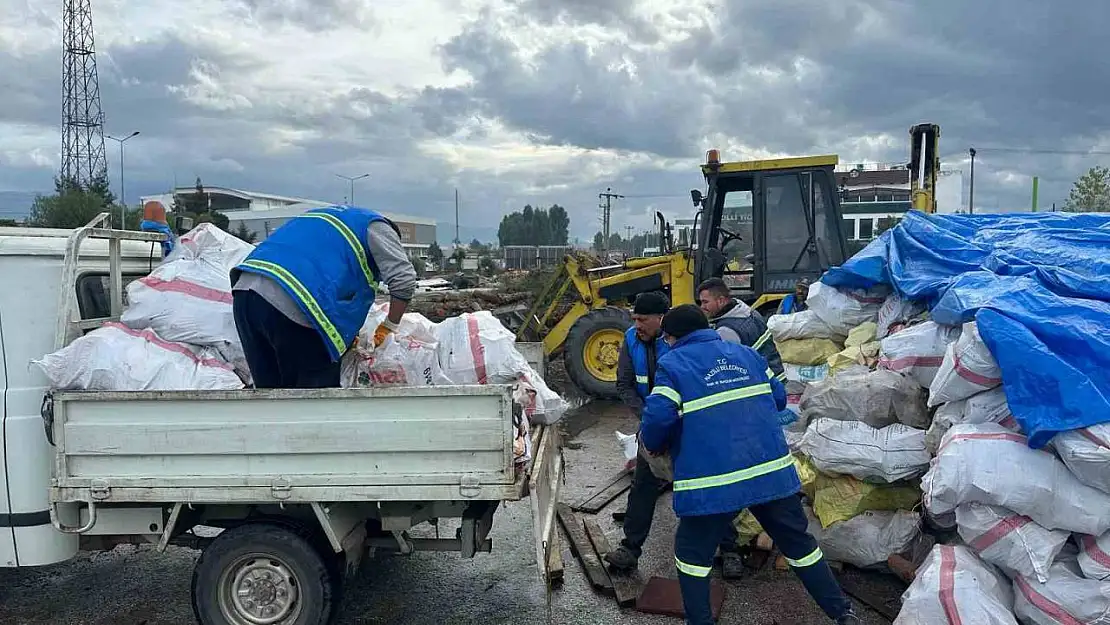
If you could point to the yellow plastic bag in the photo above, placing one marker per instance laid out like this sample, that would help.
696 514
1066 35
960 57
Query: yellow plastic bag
866 354
807 473
747 527
843 497
863 333
807 351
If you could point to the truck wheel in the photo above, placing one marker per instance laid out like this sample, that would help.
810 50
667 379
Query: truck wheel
262 574
592 349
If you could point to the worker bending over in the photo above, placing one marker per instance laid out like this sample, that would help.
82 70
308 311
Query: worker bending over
729 454
636 366
302 295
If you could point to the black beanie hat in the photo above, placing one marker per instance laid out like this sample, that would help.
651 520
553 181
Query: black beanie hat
653 303
683 320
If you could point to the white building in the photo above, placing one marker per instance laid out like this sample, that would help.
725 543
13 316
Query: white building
262 213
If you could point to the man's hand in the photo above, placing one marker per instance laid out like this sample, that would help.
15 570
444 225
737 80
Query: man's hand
385 329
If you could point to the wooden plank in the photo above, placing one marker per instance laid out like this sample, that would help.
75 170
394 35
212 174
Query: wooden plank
555 560
624 586
582 549
871 600
600 498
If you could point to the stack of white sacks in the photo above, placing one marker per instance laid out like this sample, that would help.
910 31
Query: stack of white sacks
178 333
1033 526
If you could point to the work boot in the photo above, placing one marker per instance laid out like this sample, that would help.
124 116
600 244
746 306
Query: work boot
622 559
849 619
732 565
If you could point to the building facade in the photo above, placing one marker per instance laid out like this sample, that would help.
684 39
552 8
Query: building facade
262 213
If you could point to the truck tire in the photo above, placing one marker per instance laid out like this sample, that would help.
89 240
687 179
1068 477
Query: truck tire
267 574
592 349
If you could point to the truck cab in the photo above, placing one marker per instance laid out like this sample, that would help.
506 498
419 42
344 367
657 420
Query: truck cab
31 259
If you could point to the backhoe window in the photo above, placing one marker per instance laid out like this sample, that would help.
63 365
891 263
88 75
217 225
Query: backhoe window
787 232
736 218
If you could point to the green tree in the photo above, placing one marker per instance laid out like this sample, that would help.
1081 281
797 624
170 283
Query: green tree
8 223
419 265
1090 193
457 257
535 226
245 234
197 206
487 266
435 254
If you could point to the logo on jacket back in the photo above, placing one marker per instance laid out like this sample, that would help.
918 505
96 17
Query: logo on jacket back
730 374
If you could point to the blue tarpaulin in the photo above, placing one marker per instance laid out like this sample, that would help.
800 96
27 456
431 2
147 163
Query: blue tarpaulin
1037 284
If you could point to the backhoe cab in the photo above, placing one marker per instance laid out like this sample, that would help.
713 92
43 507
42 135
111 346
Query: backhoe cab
763 225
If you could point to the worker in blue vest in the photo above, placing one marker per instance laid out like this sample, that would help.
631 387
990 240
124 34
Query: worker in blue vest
636 366
796 301
714 408
737 323
301 297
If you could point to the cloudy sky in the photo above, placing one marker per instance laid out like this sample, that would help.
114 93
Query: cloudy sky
541 101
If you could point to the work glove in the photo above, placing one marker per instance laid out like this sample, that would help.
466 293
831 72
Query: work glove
386 328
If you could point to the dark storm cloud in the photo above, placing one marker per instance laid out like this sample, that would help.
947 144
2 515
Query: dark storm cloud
574 95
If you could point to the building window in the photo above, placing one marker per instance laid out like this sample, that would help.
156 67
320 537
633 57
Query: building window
866 229
849 228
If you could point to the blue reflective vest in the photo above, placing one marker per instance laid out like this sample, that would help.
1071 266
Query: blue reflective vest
790 305
322 261
638 350
715 406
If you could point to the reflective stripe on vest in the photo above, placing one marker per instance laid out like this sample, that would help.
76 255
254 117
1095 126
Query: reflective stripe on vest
667 392
641 379
352 240
809 560
762 340
289 280
726 479
691 569
726 396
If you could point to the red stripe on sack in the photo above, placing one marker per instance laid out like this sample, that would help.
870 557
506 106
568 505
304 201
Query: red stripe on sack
947 592
1001 529
1009 422
971 376
477 350
154 339
1089 435
986 436
1042 603
905 362
185 287
1091 548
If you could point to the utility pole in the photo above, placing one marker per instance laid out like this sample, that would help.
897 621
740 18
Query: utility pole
457 241
122 195
971 195
351 197
606 210
628 235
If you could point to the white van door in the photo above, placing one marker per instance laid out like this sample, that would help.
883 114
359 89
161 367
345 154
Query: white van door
7 534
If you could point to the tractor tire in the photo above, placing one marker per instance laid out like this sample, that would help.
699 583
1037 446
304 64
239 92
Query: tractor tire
592 349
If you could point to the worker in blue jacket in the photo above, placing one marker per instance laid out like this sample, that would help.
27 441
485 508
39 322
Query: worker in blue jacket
796 301
715 408
301 297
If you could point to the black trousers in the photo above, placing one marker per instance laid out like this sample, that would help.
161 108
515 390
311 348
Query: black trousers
642 496
280 352
785 522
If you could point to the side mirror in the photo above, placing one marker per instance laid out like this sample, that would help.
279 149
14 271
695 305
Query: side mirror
696 197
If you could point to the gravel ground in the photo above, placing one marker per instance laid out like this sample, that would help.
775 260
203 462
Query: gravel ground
137 586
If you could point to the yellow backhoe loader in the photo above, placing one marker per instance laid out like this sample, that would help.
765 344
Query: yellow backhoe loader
760 225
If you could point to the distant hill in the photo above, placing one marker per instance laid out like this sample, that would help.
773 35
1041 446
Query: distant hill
15 204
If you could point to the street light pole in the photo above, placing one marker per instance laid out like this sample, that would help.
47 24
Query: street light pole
971 195
351 197
122 194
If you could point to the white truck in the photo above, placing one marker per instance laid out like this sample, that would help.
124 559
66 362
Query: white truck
303 483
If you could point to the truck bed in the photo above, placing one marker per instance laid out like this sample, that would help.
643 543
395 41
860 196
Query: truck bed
384 444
